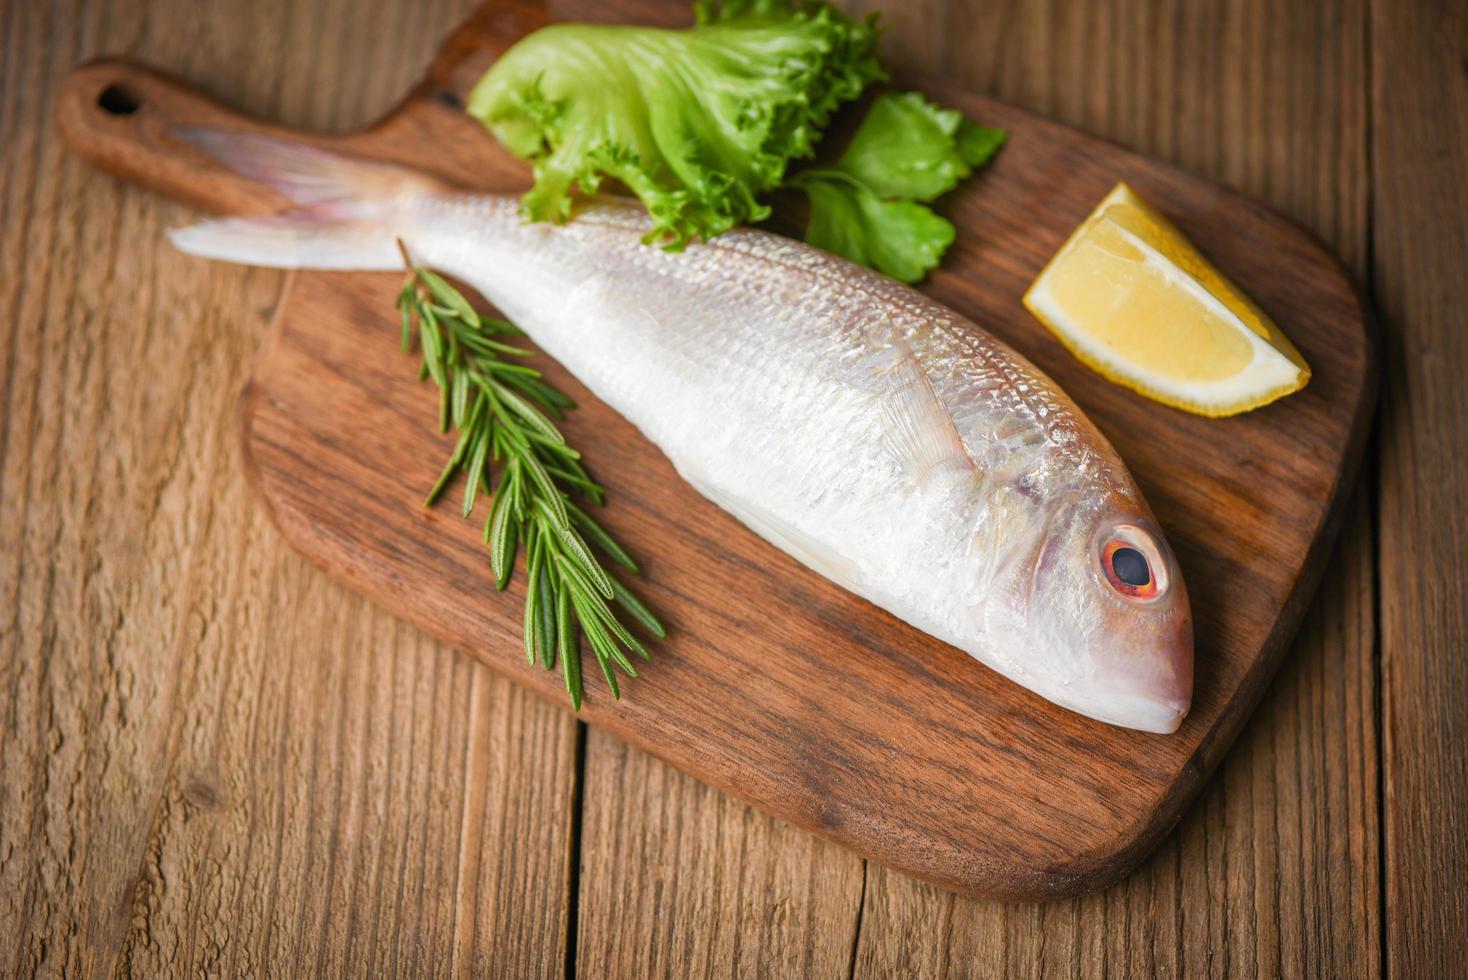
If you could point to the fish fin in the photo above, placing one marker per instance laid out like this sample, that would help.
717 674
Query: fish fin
295 240
347 215
309 177
917 427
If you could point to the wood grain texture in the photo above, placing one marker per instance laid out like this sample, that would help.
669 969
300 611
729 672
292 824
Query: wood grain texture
213 759
1054 803
680 880
1420 246
1275 871
101 593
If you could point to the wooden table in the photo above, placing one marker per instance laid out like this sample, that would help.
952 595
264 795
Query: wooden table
214 760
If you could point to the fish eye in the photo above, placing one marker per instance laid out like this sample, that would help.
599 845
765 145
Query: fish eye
1130 567
1132 563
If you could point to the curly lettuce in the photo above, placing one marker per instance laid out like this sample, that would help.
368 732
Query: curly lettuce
697 123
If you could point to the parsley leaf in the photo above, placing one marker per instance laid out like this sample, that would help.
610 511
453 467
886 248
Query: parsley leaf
869 205
898 237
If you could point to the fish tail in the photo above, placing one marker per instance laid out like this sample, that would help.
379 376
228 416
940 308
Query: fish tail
348 210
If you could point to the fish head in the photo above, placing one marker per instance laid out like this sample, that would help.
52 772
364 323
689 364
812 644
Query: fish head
1095 615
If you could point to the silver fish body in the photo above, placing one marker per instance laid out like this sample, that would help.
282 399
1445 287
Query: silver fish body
867 430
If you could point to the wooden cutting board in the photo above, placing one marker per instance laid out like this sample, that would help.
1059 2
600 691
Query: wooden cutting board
775 684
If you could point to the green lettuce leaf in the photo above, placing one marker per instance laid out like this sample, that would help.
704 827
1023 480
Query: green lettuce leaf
697 122
866 206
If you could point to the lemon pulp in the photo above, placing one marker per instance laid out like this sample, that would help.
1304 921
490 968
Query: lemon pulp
1133 299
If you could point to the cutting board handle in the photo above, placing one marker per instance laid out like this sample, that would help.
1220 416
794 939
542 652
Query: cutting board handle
118 114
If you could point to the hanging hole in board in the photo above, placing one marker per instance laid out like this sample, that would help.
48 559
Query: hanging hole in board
116 100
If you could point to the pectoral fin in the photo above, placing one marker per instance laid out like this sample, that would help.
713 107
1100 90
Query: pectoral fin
916 426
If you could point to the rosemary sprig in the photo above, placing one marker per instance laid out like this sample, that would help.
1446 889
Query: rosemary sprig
505 413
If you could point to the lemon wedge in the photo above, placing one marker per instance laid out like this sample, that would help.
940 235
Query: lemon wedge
1134 300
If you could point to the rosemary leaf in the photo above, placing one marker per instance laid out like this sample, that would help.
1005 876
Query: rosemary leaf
570 656
603 540
596 633
628 601
432 343
549 496
546 396
497 325
502 534
573 577
567 476
532 595
551 445
476 471
405 303
604 615
532 416
504 367
461 399
546 606
575 549
448 296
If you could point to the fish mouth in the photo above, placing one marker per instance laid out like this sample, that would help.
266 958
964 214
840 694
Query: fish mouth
1157 714
1160 716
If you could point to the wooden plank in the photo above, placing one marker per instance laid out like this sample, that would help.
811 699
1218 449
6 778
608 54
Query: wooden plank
214 759
1275 871
681 880
1419 250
